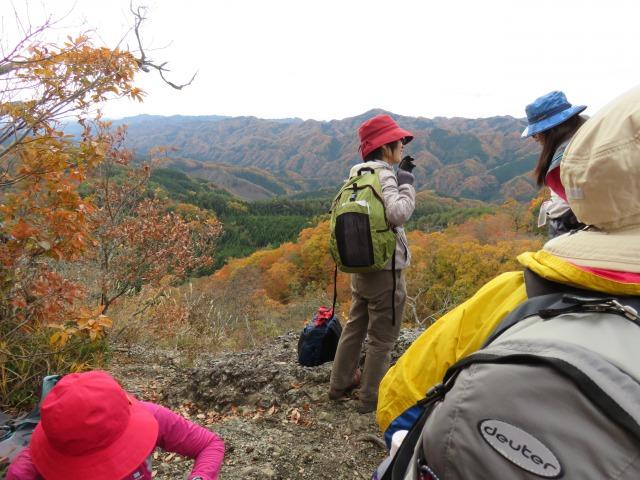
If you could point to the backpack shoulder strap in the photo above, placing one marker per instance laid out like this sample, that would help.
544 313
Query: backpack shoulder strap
525 310
537 286
406 454
552 298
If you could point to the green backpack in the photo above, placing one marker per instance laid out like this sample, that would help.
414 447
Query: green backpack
361 239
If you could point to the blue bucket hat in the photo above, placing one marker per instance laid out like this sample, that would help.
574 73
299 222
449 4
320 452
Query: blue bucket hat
548 111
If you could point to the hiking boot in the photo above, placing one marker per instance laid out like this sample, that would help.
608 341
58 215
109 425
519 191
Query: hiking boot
366 407
338 393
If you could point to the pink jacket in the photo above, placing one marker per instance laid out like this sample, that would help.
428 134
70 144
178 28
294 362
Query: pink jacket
175 434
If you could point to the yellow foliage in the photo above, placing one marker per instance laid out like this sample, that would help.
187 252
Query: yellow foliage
279 278
237 206
314 252
447 267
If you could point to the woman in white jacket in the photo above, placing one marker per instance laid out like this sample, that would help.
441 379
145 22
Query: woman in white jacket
375 295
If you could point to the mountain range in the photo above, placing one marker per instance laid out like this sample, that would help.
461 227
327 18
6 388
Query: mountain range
257 158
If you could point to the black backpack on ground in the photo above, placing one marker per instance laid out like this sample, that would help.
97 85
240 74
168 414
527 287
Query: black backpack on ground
319 340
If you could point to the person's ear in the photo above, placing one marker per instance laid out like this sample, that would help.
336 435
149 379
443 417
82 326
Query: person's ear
386 153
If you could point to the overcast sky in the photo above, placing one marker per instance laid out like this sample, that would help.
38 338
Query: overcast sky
332 59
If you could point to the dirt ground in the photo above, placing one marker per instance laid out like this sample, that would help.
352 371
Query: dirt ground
274 415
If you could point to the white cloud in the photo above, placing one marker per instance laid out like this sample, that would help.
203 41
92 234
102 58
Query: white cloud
337 58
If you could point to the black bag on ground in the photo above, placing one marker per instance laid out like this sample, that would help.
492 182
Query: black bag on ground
319 340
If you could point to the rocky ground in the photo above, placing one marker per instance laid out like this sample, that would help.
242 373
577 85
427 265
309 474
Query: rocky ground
273 414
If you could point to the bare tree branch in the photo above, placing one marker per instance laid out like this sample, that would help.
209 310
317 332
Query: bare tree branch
177 87
145 64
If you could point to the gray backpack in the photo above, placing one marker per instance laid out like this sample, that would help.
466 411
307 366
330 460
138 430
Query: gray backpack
554 393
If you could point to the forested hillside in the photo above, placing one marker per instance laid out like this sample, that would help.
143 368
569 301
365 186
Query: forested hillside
249 226
255 158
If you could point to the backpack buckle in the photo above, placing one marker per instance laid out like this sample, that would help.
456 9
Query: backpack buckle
627 310
579 304
352 197
435 393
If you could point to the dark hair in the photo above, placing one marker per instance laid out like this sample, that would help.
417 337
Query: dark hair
377 153
551 140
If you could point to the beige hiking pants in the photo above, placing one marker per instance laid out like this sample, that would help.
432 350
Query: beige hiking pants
370 315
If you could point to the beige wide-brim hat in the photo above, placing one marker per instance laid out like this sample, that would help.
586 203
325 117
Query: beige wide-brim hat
617 250
600 172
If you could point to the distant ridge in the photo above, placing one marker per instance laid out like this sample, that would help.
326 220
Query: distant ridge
476 158
150 118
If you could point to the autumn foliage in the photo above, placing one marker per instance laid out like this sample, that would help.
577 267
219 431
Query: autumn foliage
139 238
51 235
447 267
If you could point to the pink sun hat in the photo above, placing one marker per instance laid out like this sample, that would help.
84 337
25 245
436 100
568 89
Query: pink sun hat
91 428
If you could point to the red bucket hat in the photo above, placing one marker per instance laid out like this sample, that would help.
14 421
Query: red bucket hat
91 428
379 131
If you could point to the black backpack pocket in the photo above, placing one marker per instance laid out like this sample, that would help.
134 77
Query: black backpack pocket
353 236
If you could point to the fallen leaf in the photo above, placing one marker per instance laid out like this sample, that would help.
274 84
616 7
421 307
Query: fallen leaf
294 416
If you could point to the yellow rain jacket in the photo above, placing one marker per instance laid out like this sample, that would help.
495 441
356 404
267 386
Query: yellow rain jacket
464 329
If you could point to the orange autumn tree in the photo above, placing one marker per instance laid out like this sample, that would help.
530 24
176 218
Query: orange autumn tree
289 270
141 239
45 224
